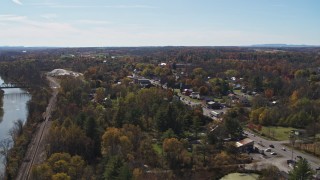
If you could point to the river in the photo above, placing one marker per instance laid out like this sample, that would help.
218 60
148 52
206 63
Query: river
14 107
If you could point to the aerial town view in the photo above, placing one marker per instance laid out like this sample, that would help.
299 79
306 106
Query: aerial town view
159 90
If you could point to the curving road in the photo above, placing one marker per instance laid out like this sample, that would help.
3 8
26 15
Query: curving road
36 147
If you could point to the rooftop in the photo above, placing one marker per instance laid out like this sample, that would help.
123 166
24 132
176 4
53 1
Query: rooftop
244 142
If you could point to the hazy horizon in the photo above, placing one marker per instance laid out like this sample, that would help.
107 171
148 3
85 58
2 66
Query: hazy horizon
273 45
143 23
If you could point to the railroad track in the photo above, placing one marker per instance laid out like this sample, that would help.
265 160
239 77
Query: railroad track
32 153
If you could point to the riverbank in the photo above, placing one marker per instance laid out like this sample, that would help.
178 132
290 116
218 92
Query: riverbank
13 115
36 152
35 108
1 104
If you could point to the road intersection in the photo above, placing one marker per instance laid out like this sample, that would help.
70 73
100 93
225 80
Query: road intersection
281 148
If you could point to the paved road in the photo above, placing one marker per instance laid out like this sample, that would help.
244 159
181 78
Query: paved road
279 160
287 154
206 111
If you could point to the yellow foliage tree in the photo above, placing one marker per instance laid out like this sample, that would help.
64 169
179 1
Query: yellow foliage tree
174 151
115 142
295 96
61 176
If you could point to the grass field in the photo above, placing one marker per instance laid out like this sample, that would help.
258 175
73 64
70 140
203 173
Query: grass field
238 91
157 148
276 132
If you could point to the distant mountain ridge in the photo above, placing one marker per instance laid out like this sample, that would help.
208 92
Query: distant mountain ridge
254 45
283 45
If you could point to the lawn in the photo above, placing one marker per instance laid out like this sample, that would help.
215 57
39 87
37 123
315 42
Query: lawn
176 90
192 100
237 91
157 148
276 132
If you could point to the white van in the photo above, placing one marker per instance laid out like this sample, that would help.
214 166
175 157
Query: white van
216 114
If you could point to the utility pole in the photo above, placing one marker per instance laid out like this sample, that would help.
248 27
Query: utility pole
292 140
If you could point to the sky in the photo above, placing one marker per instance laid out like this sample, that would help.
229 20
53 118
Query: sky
97 23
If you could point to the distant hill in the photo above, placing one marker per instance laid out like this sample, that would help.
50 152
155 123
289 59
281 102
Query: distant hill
282 45
11 47
22 48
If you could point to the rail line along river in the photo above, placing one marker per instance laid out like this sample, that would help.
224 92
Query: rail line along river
14 107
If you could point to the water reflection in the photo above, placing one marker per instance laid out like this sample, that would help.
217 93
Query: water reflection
14 107
1 114
1 104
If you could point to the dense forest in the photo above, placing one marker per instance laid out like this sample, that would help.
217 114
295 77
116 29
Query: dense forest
106 126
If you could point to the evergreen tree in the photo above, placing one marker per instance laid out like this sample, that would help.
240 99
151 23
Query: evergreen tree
302 171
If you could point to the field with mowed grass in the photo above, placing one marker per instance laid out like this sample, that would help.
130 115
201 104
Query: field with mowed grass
276 132
157 148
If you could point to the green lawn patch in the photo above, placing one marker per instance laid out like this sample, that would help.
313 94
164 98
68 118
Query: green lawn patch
250 98
157 148
176 90
238 91
190 99
277 132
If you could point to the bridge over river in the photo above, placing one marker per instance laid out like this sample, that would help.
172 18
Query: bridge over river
13 85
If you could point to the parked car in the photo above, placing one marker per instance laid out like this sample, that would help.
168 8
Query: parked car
283 149
299 157
268 150
272 146
273 153
290 161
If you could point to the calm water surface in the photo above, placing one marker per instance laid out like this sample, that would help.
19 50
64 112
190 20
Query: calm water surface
14 108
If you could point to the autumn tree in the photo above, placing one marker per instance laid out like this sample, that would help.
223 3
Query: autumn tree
268 93
232 73
203 90
114 142
134 134
148 154
223 158
174 152
61 176
255 114
60 165
295 96
219 86
301 73
270 173
70 138
199 72
232 121
99 95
